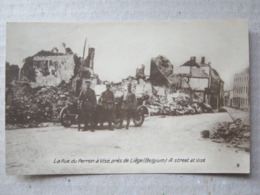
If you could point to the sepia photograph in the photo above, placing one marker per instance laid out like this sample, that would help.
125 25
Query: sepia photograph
127 97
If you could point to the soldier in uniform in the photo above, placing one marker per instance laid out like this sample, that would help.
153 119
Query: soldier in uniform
107 103
87 97
129 104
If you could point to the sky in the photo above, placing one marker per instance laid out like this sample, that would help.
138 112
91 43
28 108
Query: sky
120 48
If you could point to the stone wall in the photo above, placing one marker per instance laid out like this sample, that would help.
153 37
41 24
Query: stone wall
49 70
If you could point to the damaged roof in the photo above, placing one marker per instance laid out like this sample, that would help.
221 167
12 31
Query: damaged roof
191 63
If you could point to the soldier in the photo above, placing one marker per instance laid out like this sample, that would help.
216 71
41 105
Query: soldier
129 104
87 97
107 104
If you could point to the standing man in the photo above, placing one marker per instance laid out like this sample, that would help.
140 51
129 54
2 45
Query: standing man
88 99
107 104
129 104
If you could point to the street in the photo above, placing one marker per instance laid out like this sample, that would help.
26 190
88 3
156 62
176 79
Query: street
50 150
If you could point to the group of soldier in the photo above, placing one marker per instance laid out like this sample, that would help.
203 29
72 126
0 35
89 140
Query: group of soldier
106 105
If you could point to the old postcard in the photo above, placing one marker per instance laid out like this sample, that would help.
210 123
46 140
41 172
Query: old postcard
127 97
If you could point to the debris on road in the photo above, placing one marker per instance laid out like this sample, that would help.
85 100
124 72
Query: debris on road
235 133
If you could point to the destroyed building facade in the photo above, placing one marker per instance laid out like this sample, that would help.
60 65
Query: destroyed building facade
41 88
48 68
162 75
199 80
204 81
161 69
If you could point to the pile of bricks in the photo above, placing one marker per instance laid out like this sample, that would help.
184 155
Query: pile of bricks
32 106
235 133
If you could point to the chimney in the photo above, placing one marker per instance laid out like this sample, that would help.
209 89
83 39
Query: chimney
203 60
90 58
193 58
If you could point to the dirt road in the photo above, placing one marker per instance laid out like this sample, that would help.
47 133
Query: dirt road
59 150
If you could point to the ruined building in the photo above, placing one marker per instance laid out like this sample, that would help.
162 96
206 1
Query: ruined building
48 68
161 69
204 81
162 74
197 79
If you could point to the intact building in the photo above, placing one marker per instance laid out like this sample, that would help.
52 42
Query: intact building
240 98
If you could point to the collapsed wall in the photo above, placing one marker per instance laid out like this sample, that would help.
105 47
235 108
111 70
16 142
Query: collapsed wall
48 69
161 70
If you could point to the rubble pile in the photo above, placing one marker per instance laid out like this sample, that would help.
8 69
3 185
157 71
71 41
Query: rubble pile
35 105
235 133
177 108
176 105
